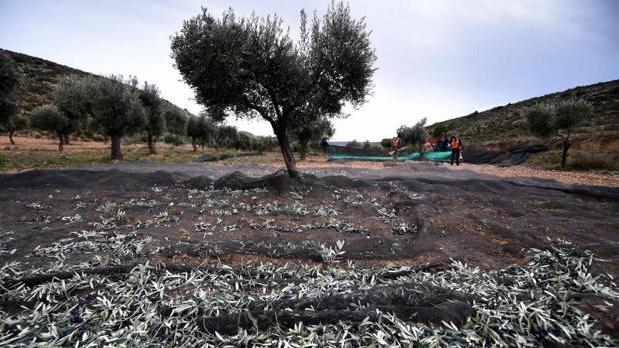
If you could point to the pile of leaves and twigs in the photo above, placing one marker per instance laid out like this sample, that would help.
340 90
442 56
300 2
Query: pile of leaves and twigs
335 304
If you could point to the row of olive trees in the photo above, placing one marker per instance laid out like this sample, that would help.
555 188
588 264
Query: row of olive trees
113 106
10 120
205 131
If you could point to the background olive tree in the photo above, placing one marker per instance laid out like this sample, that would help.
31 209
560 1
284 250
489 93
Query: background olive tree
414 136
154 124
72 99
306 132
558 120
9 81
176 123
193 131
251 67
50 119
201 130
116 109
16 123
225 136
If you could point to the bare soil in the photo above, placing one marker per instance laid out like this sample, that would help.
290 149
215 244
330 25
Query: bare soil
408 214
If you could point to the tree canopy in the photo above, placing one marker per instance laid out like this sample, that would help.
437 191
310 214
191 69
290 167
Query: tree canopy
49 118
73 100
116 109
251 67
315 131
201 130
415 135
559 120
154 124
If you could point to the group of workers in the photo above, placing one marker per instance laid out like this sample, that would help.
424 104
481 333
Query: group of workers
453 144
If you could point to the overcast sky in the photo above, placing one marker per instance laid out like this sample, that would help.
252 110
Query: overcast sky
438 59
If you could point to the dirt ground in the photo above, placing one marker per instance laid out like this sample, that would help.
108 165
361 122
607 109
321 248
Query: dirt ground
49 144
568 177
407 214
271 161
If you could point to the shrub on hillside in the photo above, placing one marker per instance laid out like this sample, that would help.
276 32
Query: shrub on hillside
582 160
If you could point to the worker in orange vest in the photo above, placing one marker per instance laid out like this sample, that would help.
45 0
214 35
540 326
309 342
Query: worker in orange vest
456 148
396 146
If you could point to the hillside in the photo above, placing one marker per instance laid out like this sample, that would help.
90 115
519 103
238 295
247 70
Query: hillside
507 123
39 80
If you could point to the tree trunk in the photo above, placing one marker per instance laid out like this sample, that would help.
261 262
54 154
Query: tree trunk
65 138
11 133
194 144
151 144
284 145
116 150
567 143
60 142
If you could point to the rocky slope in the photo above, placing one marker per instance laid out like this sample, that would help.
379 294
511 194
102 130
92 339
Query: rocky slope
507 123
39 79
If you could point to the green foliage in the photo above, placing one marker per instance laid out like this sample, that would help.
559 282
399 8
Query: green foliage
9 80
439 130
539 119
49 118
252 67
155 121
250 142
226 136
559 120
173 139
73 99
415 135
386 142
17 123
545 120
206 129
354 144
115 105
176 120
571 112
311 131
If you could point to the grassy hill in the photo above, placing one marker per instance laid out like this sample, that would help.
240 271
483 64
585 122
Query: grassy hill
39 80
507 123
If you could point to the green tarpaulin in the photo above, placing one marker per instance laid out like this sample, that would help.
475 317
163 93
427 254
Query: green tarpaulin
430 156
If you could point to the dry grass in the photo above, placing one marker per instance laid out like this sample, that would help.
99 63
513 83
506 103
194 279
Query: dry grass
41 153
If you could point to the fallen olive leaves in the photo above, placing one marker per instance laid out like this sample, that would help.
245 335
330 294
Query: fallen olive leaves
116 297
521 305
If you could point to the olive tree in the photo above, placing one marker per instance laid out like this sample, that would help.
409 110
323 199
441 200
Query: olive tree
72 99
9 81
307 132
154 124
251 67
116 109
16 123
226 136
176 121
193 131
201 130
416 135
50 119
558 120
